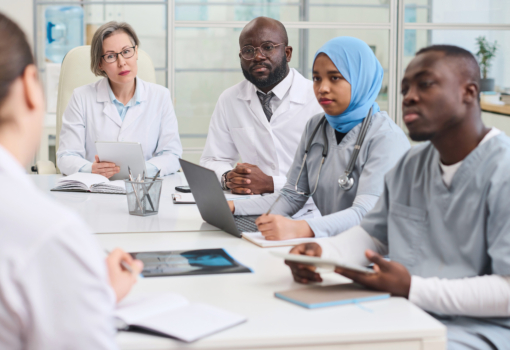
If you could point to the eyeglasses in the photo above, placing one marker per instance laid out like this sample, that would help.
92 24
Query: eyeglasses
126 53
266 49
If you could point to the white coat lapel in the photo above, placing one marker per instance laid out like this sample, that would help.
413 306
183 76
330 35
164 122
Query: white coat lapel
111 112
109 109
136 111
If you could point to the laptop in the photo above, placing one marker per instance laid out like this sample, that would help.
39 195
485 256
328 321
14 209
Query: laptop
212 203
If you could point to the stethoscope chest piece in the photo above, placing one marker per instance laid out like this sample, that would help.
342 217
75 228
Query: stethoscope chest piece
345 182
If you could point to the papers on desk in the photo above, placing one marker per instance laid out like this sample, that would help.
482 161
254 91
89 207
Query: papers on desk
86 182
172 315
257 239
187 198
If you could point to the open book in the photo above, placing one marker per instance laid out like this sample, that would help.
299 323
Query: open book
172 315
257 239
86 182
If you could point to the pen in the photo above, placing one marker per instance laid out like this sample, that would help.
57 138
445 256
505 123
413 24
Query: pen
272 205
150 186
122 262
134 190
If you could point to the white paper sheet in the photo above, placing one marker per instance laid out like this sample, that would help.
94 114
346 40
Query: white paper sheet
257 239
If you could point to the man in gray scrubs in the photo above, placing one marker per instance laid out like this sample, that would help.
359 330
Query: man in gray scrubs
443 217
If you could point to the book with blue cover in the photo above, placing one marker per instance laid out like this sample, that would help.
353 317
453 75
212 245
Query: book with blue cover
338 294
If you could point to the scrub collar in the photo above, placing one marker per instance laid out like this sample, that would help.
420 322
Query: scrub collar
357 63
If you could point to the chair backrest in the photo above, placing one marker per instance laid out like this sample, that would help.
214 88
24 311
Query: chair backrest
75 72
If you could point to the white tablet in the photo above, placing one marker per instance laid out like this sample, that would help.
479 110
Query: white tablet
123 154
320 262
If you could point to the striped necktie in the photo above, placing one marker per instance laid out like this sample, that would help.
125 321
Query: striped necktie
264 100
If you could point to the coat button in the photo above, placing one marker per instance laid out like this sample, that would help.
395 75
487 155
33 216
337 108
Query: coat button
273 166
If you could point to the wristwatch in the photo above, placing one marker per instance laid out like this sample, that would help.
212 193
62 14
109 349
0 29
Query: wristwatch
224 181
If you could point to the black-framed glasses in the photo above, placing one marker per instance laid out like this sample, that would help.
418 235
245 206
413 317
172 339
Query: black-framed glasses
126 53
248 52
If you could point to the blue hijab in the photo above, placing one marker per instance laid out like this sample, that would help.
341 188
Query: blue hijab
357 63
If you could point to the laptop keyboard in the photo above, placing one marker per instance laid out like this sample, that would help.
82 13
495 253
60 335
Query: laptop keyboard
245 223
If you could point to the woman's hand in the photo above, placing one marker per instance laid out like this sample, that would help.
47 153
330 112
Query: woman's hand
122 280
278 228
106 169
305 273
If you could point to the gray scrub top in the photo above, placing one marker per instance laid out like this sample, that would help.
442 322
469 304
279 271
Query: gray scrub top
384 144
449 232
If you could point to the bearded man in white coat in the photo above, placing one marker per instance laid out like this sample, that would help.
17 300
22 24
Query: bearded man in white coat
261 119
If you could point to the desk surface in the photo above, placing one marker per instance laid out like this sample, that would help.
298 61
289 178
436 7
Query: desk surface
502 109
108 213
273 323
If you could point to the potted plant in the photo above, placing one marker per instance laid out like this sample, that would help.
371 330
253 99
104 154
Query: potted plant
486 53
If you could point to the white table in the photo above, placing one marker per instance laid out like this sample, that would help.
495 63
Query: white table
108 213
272 323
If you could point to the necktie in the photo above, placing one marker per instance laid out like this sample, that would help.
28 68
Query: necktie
264 100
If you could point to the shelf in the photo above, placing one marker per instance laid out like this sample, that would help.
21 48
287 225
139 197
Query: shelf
501 109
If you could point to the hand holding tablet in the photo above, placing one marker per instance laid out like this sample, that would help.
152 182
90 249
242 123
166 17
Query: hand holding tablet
321 262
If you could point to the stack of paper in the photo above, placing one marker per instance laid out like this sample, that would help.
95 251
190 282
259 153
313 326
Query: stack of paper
86 182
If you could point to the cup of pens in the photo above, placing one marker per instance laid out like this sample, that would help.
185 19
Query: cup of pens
143 195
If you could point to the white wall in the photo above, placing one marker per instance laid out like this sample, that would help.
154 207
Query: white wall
21 11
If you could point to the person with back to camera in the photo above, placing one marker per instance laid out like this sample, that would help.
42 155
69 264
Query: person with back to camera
56 289
120 107
347 78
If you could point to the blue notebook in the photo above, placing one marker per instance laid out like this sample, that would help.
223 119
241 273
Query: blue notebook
339 294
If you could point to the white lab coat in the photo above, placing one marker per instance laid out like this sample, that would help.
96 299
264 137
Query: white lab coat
239 129
91 116
54 289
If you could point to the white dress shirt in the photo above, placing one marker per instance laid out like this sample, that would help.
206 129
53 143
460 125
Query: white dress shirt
54 290
92 116
240 129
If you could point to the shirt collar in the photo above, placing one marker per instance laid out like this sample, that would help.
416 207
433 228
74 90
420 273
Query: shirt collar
283 87
134 100
10 166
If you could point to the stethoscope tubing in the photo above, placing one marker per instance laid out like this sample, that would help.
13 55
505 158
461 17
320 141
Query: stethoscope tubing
325 149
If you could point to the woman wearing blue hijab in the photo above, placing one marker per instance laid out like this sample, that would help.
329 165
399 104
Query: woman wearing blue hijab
347 78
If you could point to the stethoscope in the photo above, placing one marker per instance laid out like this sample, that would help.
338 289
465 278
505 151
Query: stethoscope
345 181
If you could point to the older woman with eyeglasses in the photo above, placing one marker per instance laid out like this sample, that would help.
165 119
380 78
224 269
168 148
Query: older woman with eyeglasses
120 107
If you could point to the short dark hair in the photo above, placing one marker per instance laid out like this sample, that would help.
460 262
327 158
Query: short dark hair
470 69
16 54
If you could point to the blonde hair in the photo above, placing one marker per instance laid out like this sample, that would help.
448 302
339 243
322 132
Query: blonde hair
103 32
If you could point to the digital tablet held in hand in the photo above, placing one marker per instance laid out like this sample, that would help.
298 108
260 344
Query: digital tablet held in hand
320 262
123 154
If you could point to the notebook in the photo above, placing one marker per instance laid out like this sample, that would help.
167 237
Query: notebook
172 315
339 294
87 182
187 198
257 239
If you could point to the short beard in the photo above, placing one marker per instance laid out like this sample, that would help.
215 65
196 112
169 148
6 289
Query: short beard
421 137
277 75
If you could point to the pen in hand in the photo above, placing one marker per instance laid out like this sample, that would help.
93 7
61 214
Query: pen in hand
122 263
272 205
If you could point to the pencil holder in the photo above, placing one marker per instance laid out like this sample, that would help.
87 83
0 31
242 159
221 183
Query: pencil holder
143 197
